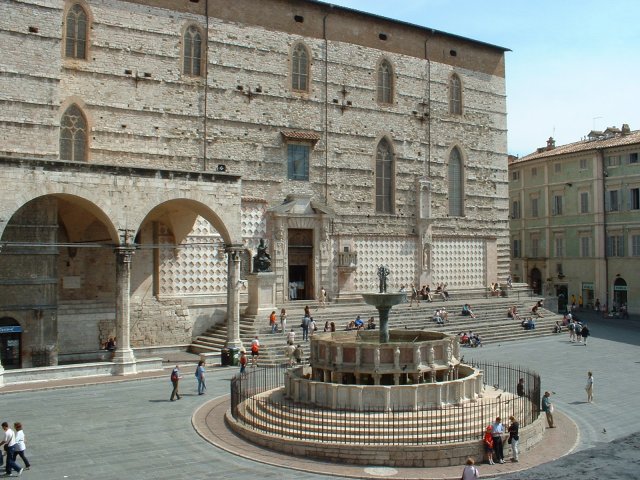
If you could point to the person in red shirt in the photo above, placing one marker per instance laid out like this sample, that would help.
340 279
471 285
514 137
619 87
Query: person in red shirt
488 444
272 322
243 361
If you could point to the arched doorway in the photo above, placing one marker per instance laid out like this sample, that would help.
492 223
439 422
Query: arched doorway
10 343
619 292
535 280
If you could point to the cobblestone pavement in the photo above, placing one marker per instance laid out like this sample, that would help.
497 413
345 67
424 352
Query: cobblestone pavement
129 429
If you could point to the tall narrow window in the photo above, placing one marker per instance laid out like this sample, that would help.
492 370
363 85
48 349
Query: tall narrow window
192 52
534 207
635 245
584 202
73 135
455 184
557 205
585 243
300 69
612 201
385 85
298 161
516 248
384 177
634 199
515 209
455 95
76 33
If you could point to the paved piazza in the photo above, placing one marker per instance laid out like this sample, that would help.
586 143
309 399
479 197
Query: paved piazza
130 430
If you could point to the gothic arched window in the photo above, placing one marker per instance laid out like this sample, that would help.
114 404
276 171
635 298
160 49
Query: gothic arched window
384 177
385 82
76 33
73 135
455 95
192 52
455 180
300 69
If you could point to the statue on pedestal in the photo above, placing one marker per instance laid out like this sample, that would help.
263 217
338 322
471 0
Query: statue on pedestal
383 273
262 260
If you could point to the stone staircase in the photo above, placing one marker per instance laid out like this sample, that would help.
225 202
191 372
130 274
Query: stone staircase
270 413
491 322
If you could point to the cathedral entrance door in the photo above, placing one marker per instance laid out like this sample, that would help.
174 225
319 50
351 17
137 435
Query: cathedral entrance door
301 262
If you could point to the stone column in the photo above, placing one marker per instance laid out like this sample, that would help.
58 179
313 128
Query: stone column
233 296
123 357
383 314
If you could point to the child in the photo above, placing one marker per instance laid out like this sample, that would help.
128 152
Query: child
488 444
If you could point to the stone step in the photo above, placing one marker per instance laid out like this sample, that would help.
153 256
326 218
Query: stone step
325 425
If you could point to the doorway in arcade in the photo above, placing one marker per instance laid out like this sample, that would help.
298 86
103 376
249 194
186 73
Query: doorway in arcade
300 266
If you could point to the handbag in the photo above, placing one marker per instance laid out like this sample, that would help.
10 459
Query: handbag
509 441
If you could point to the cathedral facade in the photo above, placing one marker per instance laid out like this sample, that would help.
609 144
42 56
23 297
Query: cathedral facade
149 145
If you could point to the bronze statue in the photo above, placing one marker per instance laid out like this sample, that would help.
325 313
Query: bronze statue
383 273
262 260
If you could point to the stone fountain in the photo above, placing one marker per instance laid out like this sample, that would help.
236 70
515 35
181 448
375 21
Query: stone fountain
359 378
383 302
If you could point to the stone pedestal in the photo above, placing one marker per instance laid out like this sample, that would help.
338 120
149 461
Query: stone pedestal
262 294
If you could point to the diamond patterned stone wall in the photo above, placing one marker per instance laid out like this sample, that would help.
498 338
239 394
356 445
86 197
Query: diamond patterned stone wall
459 262
398 253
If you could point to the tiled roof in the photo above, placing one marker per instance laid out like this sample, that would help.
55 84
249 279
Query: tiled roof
300 135
584 145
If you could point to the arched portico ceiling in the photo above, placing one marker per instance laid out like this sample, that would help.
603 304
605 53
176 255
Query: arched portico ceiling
180 215
76 214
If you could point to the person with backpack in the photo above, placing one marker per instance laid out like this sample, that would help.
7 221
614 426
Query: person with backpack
200 377
175 380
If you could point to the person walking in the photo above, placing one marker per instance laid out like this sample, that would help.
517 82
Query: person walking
200 377
514 436
243 362
175 380
283 321
498 445
306 322
547 408
20 446
272 322
470 471
9 443
589 387
322 297
585 334
255 351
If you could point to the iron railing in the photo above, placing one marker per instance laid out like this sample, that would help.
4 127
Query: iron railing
275 415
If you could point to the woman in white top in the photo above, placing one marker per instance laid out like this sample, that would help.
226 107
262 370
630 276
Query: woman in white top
20 447
283 321
589 387
470 472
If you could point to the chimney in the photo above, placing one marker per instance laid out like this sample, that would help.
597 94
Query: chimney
551 143
625 129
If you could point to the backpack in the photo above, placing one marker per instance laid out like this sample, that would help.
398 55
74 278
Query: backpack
254 348
174 376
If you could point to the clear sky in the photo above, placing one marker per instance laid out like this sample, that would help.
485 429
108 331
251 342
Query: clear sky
574 64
